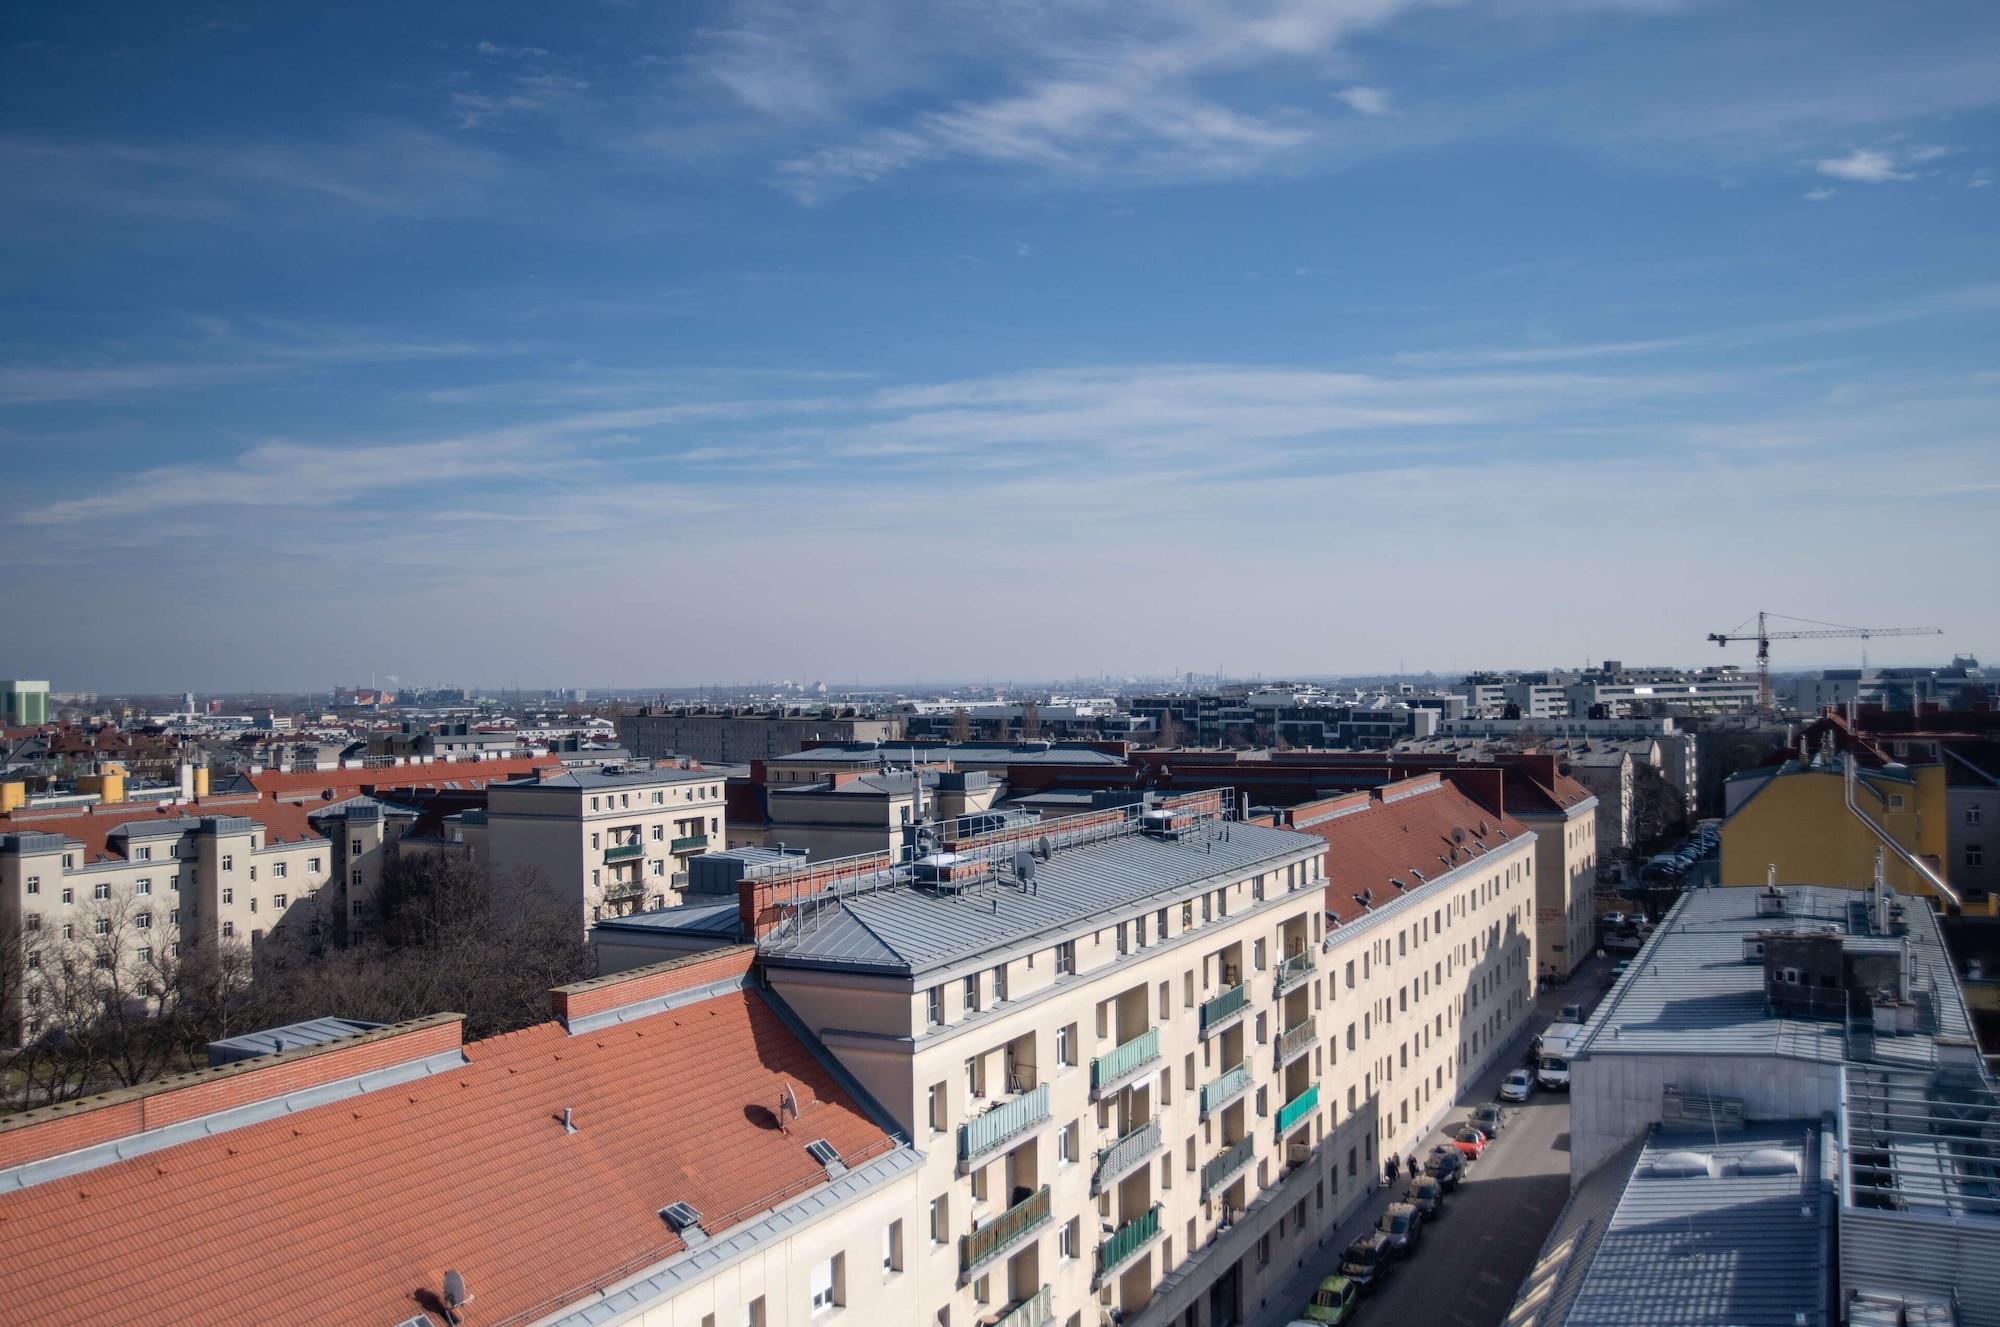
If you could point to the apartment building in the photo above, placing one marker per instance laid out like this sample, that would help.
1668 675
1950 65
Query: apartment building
727 737
1143 1070
612 841
670 1151
852 811
137 884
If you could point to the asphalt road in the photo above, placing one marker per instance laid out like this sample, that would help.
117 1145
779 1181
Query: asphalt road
1471 1260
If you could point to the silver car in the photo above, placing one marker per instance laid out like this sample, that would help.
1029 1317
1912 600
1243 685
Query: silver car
1517 1086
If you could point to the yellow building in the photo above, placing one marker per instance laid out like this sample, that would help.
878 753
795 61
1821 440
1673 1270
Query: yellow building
1825 823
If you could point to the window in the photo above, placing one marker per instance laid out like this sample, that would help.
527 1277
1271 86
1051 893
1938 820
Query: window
971 985
1068 1238
753 1312
69 895
892 1247
32 922
277 870
1972 814
934 1006
228 929
69 931
34 884
253 905
145 953
659 833
826 1287
312 864
144 921
1066 1142
229 860
102 926
1066 957
100 890
1975 855
143 885
934 1107
594 837
940 1222
144 853
228 896
1064 1036
278 902
355 876
659 868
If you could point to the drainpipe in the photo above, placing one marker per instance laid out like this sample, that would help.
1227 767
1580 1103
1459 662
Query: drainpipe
1904 855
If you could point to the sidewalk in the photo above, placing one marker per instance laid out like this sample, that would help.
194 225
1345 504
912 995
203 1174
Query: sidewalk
1285 1303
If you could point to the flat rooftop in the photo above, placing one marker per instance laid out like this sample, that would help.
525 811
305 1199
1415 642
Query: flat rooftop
890 924
986 753
1690 991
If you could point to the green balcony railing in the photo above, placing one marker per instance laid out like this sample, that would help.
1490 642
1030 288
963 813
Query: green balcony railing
1003 1232
1233 1083
1296 1040
1297 968
1010 1119
1122 1060
624 852
1216 1012
1037 1310
1298 1108
1119 1157
691 843
1131 1237
1215 1172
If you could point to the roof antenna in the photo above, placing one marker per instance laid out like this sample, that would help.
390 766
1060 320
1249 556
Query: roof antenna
454 1296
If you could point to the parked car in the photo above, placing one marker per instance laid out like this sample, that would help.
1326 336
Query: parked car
1402 1223
1367 1259
1517 1086
1469 1142
1334 1301
1426 1195
1446 1166
1490 1119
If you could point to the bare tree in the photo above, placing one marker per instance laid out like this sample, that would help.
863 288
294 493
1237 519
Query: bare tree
1031 719
961 725
1168 733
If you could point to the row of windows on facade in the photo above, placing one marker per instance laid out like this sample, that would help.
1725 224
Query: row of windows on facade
686 827
143 921
278 872
699 792
143 886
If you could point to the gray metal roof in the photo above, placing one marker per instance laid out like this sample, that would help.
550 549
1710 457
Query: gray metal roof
1717 1248
907 929
722 917
588 779
270 1041
1690 992
993 753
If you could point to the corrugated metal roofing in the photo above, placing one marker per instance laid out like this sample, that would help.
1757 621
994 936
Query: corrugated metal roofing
1717 1248
705 918
907 929
1690 992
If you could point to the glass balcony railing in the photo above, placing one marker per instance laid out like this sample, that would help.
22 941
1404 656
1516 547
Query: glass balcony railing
1114 1160
1131 1237
1297 968
1224 1007
691 843
1296 1040
1037 1310
1233 1083
1009 1119
1003 1232
624 852
1298 1108
1115 1064
1215 1172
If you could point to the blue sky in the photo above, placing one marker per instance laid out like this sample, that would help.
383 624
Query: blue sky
605 344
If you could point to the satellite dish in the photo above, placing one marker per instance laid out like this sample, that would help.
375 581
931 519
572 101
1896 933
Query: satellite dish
454 1291
1024 866
788 1104
1043 848
1457 834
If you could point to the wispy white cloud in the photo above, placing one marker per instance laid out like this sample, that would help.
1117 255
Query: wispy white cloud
1366 101
1819 195
1864 165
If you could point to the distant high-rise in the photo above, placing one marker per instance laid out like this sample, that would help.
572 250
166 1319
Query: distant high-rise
23 704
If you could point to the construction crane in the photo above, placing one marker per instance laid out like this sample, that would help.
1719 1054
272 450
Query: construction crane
1821 631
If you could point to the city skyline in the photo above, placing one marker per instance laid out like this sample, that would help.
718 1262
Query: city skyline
964 341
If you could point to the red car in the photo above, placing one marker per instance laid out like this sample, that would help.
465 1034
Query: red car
1469 1142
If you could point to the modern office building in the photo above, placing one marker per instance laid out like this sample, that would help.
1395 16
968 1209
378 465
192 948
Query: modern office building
23 704
735 737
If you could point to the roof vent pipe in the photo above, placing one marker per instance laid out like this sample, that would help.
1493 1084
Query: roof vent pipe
569 1124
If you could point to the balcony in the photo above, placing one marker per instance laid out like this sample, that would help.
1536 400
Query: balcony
1037 1310
1115 1067
1003 1232
1005 1122
624 852
1234 1083
1224 1009
1296 1040
1296 969
1297 1109
1120 1158
629 887
1215 1172
691 843
1133 1236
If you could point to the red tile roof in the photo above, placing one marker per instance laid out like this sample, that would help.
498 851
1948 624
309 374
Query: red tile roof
345 1213
1405 825
333 784
283 822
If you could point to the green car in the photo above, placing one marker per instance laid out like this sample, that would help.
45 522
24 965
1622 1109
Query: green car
1334 1301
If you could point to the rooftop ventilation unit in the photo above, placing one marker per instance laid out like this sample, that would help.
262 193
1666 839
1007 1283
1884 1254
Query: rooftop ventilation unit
685 1222
1679 1165
1773 902
1160 823
1769 1161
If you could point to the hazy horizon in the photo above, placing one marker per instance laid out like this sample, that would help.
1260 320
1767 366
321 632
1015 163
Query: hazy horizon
594 345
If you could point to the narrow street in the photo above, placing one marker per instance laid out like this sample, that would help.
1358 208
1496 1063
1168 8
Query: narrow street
1471 1260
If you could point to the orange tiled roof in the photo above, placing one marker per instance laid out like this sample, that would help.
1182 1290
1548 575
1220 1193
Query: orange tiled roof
282 821
1367 849
345 1212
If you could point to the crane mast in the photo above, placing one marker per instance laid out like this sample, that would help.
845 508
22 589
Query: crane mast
1821 631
